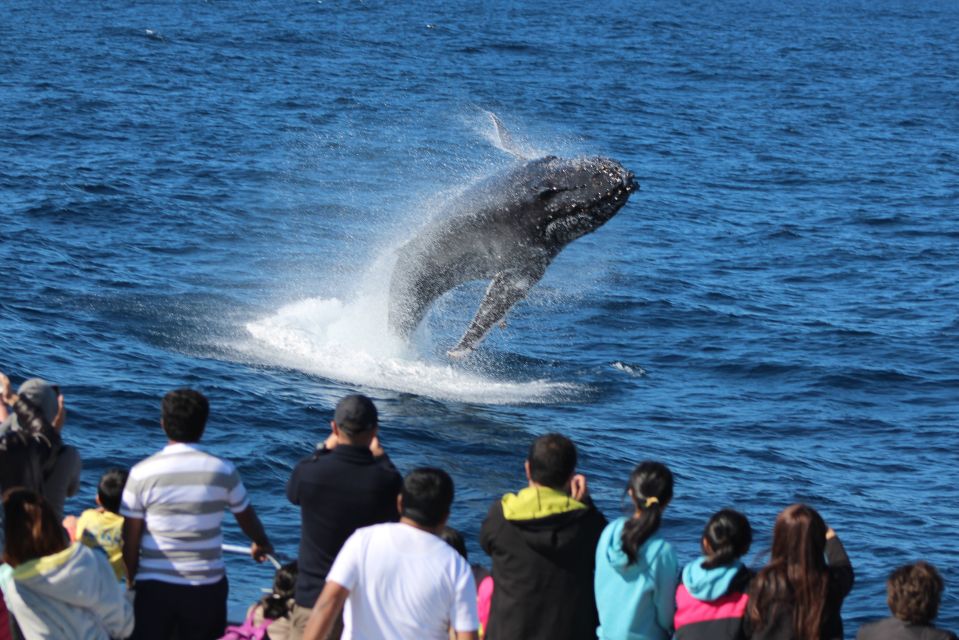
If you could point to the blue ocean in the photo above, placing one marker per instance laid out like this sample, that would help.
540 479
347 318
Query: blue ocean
211 194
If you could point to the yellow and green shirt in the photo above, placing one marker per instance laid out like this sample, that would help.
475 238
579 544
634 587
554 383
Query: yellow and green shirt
96 528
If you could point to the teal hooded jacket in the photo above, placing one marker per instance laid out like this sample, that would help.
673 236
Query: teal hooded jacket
635 601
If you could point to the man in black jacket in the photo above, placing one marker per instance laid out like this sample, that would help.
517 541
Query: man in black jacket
543 544
346 484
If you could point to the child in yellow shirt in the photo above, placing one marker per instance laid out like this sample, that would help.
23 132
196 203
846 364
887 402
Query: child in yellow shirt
102 527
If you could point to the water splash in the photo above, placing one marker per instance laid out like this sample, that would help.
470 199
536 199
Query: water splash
346 337
634 370
348 340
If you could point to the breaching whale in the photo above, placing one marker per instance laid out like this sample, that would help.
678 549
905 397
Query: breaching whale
507 228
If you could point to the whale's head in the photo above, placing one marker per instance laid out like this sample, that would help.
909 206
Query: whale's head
578 195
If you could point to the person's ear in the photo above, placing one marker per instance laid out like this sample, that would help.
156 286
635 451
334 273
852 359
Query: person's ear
529 478
399 503
334 428
708 548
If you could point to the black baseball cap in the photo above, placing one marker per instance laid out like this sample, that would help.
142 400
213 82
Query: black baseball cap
355 414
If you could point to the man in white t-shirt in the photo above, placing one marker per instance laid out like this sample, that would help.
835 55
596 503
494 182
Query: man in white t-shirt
399 579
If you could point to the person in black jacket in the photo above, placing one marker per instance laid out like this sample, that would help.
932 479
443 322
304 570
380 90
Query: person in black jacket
799 593
542 541
346 484
913 593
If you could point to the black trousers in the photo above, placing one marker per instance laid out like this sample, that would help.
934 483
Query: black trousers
186 612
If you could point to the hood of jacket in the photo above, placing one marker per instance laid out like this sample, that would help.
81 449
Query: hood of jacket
546 518
709 584
618 559
63 576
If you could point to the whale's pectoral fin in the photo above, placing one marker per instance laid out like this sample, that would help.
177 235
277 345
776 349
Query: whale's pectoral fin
506 289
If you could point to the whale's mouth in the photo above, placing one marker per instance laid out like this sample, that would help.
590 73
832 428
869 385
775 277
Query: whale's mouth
612 200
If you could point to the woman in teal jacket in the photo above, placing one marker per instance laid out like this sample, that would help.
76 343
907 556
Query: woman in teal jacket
636 570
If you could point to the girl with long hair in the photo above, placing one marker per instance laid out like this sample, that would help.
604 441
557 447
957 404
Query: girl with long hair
799 593
636 570
54 589
711 600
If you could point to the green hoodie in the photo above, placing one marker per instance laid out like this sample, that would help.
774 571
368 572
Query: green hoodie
538 502
542 544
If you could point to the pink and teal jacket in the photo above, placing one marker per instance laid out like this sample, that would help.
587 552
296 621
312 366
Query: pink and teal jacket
710 603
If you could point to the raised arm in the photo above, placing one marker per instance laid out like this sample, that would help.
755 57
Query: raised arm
840 567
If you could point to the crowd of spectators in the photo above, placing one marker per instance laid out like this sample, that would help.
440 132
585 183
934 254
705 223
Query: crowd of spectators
377 559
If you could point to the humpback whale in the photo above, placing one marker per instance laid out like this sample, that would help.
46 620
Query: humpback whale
507 229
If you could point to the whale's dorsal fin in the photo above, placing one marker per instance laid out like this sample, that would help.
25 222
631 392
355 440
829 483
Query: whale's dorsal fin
503 138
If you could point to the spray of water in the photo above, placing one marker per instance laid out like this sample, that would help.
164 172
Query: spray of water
346 338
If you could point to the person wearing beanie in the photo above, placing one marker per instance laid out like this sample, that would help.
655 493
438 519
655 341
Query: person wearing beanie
61 479
29 443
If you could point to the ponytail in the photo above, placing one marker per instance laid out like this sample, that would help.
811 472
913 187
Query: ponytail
651 488
729 536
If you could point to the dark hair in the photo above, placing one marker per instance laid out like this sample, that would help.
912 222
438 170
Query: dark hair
427 496
552 460
279 603
356 414
110 489
31 528
913 593
29 452
729 536
184 415
651 487
797 573
454 538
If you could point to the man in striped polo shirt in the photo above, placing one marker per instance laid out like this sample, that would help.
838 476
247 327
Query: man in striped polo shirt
173 506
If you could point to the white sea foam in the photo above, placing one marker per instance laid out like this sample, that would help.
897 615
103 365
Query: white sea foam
348 340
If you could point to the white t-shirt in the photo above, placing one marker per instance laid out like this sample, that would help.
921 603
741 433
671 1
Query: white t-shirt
403 583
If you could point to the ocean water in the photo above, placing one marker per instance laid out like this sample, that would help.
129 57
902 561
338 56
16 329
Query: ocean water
210 194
